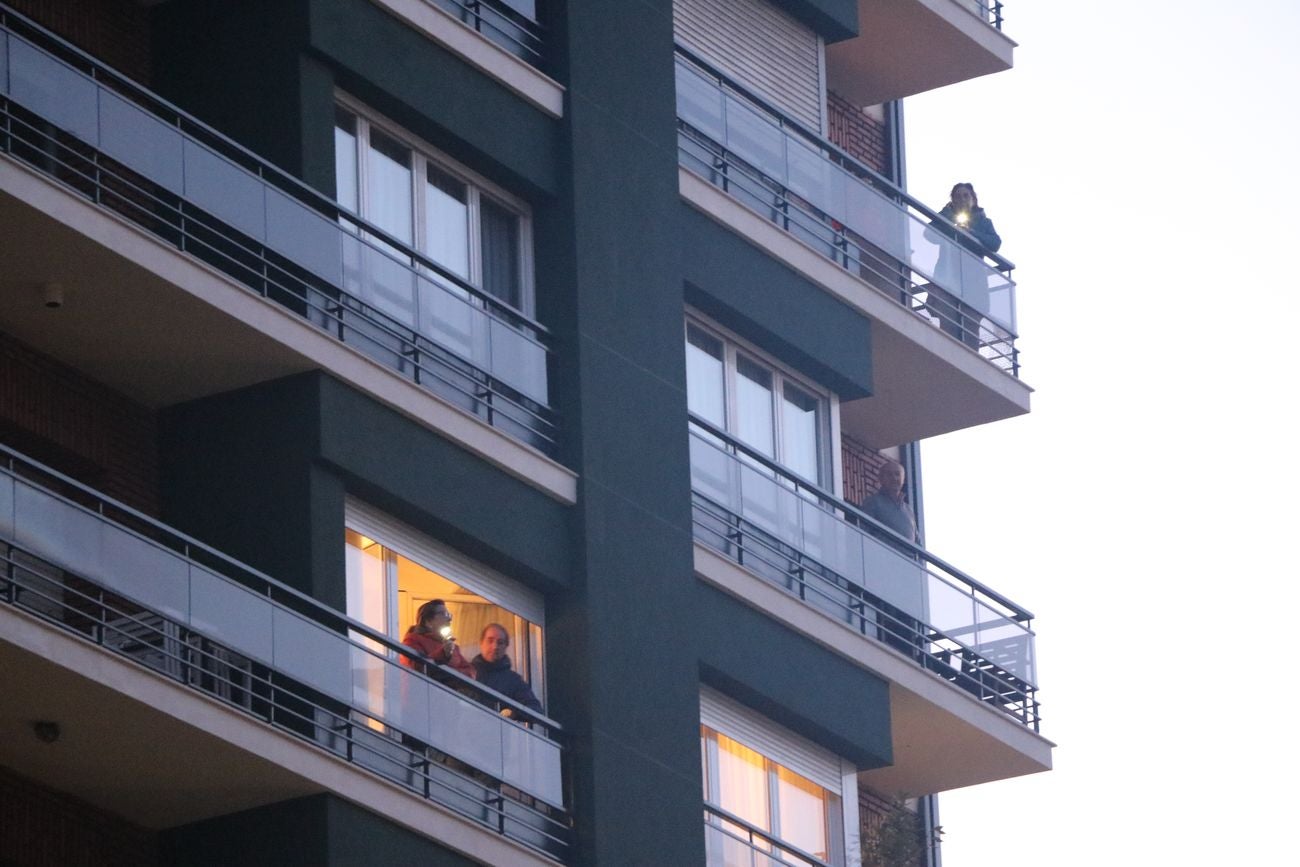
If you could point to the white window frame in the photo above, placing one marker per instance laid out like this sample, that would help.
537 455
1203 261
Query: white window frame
830 462
406 541
477 186
781 746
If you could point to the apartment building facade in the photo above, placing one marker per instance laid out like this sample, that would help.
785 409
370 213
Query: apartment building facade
593 320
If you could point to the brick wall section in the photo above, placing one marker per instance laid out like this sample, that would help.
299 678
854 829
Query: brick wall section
861 469
860 135
114 31
56 415
43 828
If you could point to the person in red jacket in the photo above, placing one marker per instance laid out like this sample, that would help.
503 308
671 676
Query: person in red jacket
430 637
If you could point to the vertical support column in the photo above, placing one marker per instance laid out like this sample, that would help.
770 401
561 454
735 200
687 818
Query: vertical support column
624 636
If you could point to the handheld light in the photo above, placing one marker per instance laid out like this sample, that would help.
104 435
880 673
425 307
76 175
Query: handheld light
962 218
444 632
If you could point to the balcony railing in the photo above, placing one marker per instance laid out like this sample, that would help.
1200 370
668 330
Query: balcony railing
139 588
989 11
510 24
767 161
835 558
99 134
730 841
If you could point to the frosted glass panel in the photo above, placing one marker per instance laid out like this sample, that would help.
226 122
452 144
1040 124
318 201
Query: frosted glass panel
141 142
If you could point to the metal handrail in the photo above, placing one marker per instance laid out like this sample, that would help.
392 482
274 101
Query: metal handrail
841 156
1018 612
534 30
775 842
272 588
992 13
265 169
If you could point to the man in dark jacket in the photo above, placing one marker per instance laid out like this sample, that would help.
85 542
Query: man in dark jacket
493 667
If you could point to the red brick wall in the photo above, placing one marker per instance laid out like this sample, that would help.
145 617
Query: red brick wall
861 469
42 828
114 31
55 415
859 134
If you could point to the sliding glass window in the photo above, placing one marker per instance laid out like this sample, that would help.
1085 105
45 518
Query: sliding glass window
423 199
737 389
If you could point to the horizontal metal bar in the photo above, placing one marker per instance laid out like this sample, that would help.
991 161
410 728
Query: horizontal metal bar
774 842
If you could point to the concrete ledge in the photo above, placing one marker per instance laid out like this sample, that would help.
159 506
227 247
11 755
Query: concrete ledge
480 52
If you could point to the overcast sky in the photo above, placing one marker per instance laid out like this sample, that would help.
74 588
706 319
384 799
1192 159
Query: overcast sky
1140 165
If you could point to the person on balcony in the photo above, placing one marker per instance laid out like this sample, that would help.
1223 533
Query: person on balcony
430 637
962 297
889 505
492 666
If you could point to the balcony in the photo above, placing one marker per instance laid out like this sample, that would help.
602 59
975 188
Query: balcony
958 655
128 587
103 141
906 47
501 38
944 318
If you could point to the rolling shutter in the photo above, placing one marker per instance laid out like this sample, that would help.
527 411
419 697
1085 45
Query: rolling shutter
733 719
761 47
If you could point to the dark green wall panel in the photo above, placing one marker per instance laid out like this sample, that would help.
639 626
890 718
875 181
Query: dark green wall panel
434 484
792 680
629 697
261 474
750 292
316 831
237 474
234 63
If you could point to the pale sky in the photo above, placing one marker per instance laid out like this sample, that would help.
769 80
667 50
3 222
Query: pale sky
1140 165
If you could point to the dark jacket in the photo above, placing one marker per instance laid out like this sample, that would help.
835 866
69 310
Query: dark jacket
499 676
980 226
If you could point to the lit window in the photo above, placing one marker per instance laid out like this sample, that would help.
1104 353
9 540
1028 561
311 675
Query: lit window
387 586
416 196
776 808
